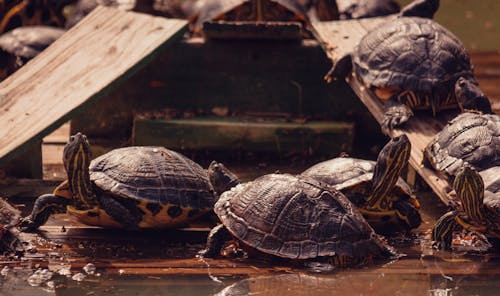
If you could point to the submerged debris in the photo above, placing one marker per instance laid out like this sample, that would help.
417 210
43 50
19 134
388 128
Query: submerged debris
39 277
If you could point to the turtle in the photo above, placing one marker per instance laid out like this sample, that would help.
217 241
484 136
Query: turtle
131 188
33 12
22 44
374 187
246 10
413 63
471 137
9 218
294 217
479 208
356 9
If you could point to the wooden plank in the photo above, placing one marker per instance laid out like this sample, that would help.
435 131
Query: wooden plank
341 37
102 50
326 138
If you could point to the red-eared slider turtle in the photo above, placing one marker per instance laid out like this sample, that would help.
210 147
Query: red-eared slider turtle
471 138
374 187
33 12
24 43
9 217
132 187
297 218
356 9
414 63
479 209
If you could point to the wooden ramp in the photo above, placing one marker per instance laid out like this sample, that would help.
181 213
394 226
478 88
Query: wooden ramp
104 49
341 37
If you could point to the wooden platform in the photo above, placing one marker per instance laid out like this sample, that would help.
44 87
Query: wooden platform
341 37
90 59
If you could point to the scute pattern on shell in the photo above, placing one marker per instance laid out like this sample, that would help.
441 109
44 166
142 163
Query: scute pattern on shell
294 217
470 137
491 179
411 53
153 173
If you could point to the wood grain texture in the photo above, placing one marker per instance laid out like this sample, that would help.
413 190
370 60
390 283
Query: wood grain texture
339 38
102 50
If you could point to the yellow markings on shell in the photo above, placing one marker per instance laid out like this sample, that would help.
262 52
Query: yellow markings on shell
163 220
93 217
385 93
10 14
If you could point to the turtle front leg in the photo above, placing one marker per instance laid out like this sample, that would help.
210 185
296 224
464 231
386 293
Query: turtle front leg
396 114
216 239
407 213
443 230
45 205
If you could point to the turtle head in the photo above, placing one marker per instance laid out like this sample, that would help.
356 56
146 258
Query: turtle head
470 97
391 161
76 160
469 188
221 178
76 153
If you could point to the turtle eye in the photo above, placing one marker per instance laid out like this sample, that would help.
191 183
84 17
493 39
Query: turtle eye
461 82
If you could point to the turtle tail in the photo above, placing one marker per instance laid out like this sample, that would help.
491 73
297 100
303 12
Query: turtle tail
421 8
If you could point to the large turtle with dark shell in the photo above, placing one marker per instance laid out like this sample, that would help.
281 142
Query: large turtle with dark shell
356 9
24 43
413 63
132 187
374 187
478 209
296 218
471 138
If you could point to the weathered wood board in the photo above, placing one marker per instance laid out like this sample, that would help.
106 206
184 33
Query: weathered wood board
341 37
102 50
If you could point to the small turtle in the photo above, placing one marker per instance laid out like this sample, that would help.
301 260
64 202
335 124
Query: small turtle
297 218
479 209
132 187
24 43
34 12
374 187
414 63
9 217
471 138
356 9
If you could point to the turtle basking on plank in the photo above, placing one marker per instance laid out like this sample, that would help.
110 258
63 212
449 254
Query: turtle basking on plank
413 63
374 187
471 138
295 217
132 187
479 208
9 217
22 44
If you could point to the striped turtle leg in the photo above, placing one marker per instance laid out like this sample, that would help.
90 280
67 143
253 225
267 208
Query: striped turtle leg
216 239
443 230
45 205
407 213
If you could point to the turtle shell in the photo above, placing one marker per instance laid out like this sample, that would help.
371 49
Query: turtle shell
491 179
355 9
295 217
411 53
27 42
471 138
153 174
353 177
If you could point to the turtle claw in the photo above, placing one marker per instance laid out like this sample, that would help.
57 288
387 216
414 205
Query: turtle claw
28 225
395 116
